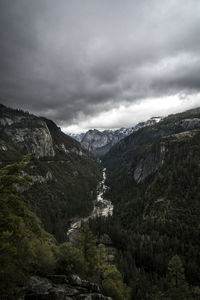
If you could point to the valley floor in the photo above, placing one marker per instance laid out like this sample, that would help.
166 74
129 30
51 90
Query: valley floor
102 207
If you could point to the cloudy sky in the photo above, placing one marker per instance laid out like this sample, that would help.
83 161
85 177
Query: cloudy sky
100 63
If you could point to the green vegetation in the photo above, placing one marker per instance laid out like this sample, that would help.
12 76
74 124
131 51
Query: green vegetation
24 246
99 152
26 249
155 226
65 194
156 221
88 259
64 185
97 268
177 285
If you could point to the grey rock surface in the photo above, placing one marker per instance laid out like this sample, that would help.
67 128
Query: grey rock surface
156 157
95 140
38 285
59 287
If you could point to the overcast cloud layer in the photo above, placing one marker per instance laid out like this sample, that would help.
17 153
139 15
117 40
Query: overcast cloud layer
99 63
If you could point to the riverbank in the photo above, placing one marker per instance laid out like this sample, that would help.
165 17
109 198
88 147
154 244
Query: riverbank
102 207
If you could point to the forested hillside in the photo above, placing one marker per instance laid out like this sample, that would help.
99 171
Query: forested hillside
35 266
40 193
154 179
64 175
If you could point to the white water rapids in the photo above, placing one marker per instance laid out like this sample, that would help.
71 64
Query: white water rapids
102 207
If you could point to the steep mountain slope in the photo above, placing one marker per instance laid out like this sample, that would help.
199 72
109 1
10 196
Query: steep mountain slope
28 252
154 179
64 175
146 148
77 136
100 142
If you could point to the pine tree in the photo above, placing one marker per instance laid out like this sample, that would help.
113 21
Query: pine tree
102 262
178 288
113 285
86 242
69 260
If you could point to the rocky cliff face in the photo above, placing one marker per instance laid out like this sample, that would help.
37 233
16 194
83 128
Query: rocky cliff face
64 175
143 152
95 139
153 175
100 142
162 151
57 287
25 133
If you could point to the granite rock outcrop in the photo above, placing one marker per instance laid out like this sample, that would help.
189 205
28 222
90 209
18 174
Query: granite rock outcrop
60 287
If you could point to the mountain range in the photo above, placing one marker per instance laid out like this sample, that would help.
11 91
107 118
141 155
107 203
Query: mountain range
153 181
99 142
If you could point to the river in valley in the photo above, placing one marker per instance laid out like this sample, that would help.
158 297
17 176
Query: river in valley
102 207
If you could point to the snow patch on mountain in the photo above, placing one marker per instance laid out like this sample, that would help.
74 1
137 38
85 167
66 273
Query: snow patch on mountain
95 140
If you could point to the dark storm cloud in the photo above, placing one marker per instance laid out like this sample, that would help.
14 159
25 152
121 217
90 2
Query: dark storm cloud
71 59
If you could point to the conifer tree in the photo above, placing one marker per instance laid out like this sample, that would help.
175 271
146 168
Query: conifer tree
86 242
178 287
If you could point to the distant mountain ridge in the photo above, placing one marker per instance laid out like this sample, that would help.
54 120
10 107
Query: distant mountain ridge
100 142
